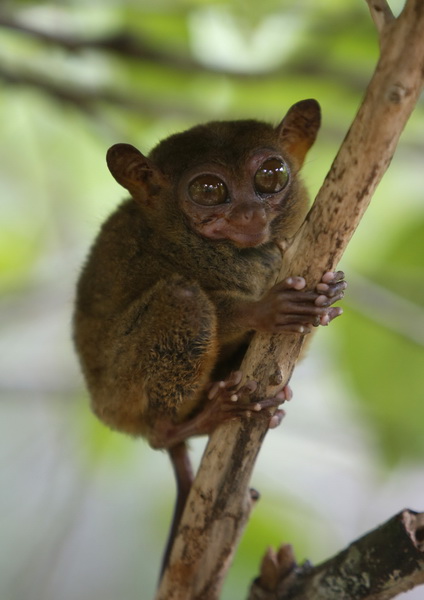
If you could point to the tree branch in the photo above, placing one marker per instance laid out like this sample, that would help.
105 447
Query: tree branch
125 45
121 43
219 503
378 566
87 99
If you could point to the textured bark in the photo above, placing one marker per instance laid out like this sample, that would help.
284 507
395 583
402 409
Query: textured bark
382 564
219 502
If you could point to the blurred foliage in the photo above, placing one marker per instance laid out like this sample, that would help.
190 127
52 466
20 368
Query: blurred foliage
390 337
76 78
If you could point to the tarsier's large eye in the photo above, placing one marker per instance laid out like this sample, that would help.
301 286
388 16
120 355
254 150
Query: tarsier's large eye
271 177
208 190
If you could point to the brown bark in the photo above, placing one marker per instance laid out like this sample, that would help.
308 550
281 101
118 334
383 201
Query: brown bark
380 565
219 502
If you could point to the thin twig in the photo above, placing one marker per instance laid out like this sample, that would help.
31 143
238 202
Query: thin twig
88 100
122 43
126 45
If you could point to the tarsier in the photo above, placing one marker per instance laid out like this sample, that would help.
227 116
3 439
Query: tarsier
183 273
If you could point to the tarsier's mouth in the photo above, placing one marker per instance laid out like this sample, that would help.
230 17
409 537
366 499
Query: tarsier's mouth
246 239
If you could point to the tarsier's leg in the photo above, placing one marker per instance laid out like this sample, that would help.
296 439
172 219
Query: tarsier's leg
160 355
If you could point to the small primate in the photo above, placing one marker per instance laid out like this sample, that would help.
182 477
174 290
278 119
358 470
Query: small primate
183 273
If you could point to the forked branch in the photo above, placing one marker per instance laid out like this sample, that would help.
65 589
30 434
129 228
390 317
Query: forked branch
381 13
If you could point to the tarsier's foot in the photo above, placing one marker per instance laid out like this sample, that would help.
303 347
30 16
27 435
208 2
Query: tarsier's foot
228 401
225 401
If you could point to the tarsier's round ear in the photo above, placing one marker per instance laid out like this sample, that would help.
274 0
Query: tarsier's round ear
298 130
130 167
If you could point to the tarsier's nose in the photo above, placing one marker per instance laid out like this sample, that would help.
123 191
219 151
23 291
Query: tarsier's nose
249 215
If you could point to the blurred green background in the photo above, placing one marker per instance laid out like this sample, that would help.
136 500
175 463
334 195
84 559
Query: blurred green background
84 511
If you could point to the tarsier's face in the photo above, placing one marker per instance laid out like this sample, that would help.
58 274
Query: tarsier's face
232 180
236 204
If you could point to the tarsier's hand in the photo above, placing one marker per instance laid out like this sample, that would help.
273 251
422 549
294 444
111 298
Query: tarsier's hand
288 307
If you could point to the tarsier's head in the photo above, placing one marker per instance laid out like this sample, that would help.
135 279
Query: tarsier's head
234 181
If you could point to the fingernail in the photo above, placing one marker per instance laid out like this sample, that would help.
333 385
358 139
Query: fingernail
323 287
328 277
274 422
321 300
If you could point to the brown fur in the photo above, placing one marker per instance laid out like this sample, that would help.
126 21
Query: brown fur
158 304
174 288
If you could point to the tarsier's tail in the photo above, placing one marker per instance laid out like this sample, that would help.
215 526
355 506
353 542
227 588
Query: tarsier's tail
183 471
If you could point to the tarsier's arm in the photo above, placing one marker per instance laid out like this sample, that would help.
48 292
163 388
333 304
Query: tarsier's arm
287 307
